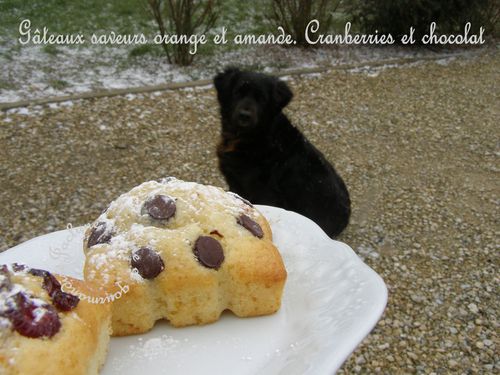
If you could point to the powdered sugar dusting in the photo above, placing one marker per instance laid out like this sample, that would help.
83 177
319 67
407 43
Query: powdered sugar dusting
153 348
4 323
39 313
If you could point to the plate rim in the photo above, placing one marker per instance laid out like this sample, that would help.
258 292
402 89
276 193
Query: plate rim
369 324
330 364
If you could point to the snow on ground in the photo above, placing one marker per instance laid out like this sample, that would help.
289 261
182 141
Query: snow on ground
31 72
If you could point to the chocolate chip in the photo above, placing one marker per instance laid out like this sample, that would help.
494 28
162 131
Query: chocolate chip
51 284
99 234
209 252
160 207
240 198
147 262
64 301
251 225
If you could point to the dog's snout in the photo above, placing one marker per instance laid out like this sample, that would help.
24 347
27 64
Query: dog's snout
245 114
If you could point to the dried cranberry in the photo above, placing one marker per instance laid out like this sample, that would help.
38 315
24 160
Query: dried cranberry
50 284
31 320
18 267
37 272
64 301
216 233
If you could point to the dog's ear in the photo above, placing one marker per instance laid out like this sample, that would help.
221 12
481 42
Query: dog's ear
282 94
223 81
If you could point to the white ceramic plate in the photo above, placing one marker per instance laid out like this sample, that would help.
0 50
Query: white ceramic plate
331 302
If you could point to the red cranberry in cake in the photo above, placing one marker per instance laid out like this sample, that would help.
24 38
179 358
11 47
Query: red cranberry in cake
31 318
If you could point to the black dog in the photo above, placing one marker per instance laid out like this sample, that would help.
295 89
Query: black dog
266 160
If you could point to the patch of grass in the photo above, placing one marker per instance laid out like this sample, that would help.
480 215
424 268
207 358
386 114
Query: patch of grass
5 85
58 84
71 17
244 17
142 50
51 49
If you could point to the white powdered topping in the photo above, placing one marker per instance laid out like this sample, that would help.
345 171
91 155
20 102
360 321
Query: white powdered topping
99 260
4 324
137 230
38 302
135 276
75 316
110 223
153 348
39 312
6 301
127 202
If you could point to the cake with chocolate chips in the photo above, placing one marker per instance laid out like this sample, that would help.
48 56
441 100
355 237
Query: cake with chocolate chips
46 330
184 252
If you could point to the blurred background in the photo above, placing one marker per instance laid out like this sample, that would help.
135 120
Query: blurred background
33 71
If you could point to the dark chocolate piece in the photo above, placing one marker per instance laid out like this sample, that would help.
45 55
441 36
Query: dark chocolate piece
160 207
147 262
99 234
251 225
241 198
209 252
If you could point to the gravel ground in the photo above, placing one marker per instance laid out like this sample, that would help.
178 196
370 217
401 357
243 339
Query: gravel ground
417 145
